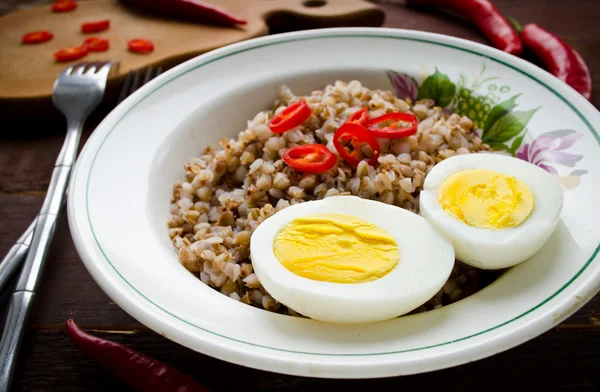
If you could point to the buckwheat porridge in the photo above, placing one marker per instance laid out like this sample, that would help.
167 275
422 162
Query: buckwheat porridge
238 183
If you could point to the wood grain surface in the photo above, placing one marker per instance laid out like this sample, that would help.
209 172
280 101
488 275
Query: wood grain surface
28 71
564 358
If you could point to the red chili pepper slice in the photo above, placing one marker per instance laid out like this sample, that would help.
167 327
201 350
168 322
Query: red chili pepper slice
139 45
562 60
310 158
393 125
354 135
70 54
95 26
484 15
36 37
360 117
96 44
290 117
64 6
139 371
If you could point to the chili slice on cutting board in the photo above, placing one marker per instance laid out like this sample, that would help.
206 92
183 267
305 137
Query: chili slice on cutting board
310 158
35 37
139 45
64 6
96 44
290 117
393 125
95 26
70 54
354 136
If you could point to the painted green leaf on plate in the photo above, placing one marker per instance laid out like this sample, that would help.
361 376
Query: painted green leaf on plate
439 88
516 144
498 111
508 126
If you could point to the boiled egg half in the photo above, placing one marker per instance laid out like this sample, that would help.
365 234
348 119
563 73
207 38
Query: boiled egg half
496 210
345 259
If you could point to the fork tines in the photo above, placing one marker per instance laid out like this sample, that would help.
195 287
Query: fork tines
132 81
88 68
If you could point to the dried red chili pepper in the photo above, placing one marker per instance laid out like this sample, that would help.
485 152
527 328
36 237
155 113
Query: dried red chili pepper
393 125
190 9
142 373
310 158
95 26
290 117
485 16
562 60
96 44
359 117
64 6
353 135
35 37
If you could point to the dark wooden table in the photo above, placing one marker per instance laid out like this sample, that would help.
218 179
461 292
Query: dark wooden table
566 357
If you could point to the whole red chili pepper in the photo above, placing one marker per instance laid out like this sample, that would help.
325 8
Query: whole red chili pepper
485 16
560 58
142 373
190 9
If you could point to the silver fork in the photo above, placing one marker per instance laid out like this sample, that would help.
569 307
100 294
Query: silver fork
25 289
15 256
77 92
132 81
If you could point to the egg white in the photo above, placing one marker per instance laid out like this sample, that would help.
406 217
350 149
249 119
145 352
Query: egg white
502 248
426 261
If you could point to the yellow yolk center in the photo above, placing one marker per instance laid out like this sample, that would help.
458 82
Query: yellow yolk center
486 199
336 248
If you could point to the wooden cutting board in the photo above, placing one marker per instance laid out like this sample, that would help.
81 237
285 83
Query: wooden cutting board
27 72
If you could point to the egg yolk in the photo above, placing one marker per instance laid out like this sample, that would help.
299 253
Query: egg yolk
336 248
486 199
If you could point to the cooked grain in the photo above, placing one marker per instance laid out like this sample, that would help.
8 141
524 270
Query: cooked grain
236 184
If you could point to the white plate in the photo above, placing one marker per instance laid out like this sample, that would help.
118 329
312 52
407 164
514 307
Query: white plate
120 191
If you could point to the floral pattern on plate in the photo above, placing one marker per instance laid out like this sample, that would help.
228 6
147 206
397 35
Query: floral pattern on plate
493 111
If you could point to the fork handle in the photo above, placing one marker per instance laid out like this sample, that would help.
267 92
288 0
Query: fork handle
22 298
12 336
11 263
44 230
19 308
24 294
15 256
